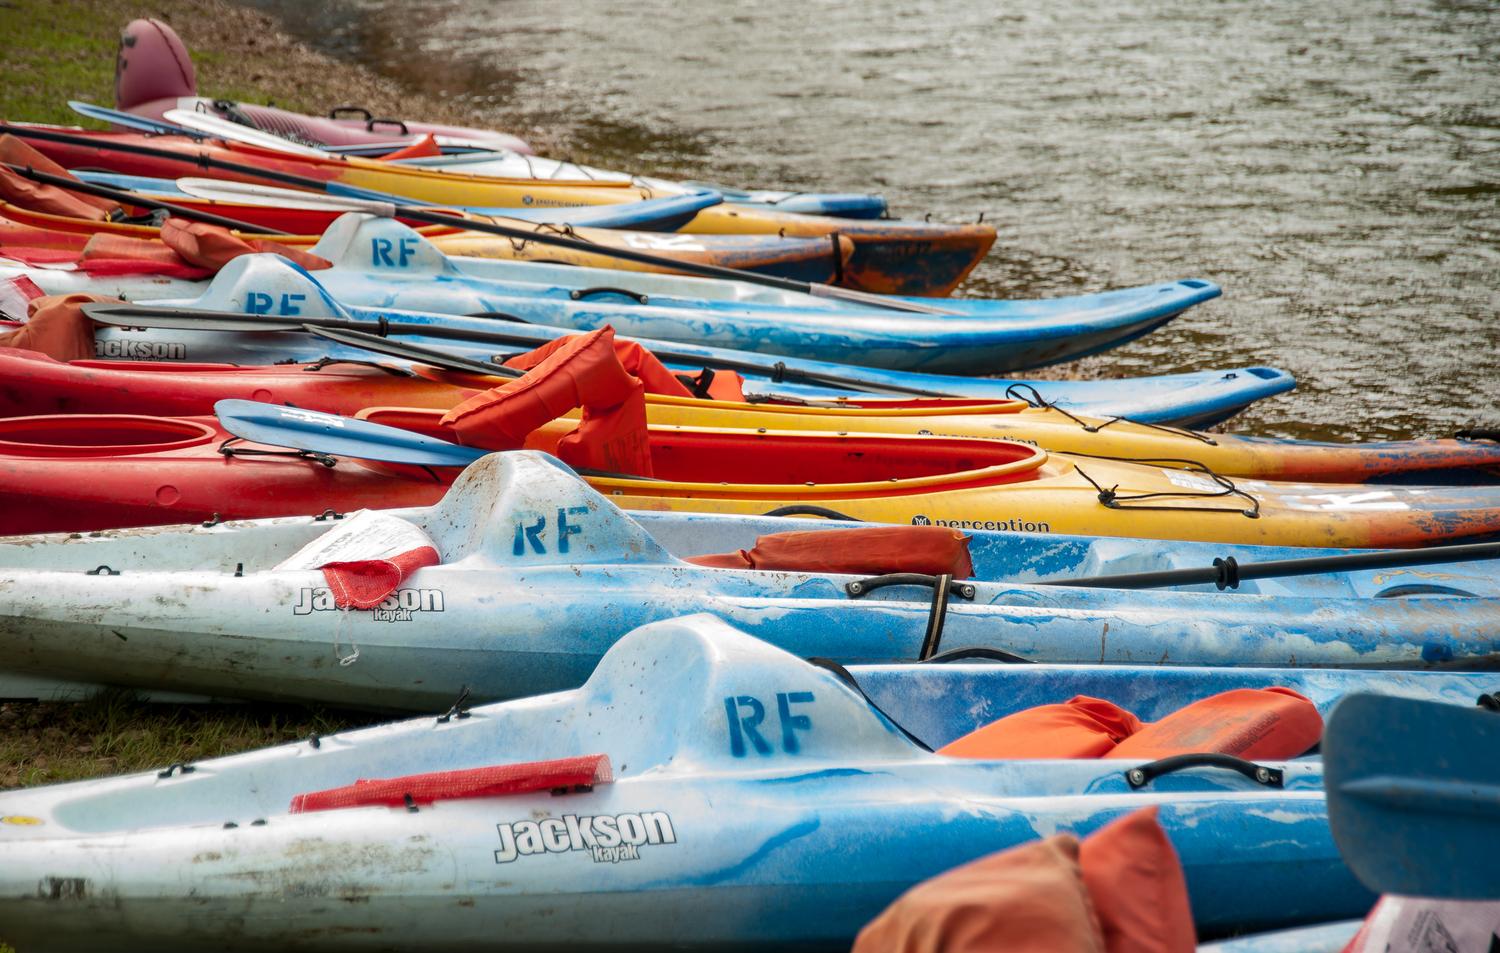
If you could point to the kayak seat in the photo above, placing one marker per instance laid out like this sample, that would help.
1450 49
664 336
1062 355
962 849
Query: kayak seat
493 781
872 551
1252 723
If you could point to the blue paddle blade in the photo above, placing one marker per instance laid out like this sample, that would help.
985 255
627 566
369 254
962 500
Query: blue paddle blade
129 120
279 426
1414 795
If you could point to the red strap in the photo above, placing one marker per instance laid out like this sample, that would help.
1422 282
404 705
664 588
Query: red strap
873 550
491 781
364 583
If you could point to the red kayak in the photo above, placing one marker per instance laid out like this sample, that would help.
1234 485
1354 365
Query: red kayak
89 472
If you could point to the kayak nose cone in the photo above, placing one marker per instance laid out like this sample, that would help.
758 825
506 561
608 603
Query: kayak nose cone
152 64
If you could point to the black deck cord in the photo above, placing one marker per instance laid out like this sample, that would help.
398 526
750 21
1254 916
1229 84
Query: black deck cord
843 675
809 509
976 653
1142 775
459 708
313 456
1113 500
1036 400
323 362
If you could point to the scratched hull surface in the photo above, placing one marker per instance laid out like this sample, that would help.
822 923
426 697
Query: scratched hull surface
1196 399
718 839
1019 335
541 575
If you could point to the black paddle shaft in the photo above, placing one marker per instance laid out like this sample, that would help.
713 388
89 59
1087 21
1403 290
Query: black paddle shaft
188 319
140 201
205 161
1228 573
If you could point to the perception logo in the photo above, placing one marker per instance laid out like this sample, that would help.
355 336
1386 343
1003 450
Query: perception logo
606 838
920 520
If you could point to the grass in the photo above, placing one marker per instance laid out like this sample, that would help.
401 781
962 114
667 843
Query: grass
112 733
56 50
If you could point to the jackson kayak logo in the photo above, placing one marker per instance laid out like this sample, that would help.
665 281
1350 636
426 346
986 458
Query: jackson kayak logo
606 838
141 350
399 606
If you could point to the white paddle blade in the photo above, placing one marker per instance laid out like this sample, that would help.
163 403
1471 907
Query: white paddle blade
248 193
224 129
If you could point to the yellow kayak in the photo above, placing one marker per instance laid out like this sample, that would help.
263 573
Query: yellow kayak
1005 485
1411 461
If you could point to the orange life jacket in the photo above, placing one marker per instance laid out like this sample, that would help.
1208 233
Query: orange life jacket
1254 723
581 370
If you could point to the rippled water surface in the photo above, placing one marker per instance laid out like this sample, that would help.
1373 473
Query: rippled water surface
1335 167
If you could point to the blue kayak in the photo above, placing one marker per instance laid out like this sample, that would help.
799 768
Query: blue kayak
702 789
381 263
651 215
540 575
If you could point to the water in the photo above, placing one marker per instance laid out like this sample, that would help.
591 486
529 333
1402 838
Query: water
1334 167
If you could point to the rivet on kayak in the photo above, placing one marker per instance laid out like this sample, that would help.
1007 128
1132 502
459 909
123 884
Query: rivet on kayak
1136 777
102 571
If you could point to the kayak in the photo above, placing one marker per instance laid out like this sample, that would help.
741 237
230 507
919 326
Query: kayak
84 472
889 257
804 259
162 609
154 73
979 337
183 389
203 118
793 831
654 215
1006 338
1200 398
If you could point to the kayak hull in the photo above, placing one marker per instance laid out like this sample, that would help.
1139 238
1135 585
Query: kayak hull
889 257
204 610
168 389
797 845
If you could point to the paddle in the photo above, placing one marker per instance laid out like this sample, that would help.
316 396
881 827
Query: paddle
1414 795
317 432
1228 573
414 352
389 209
140 201
131 120
188 319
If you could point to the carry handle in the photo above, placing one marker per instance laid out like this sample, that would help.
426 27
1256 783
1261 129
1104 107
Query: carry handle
1142 775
